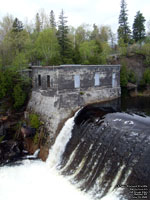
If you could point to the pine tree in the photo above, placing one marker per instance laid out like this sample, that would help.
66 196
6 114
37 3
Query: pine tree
139 27
123 30
52 19
17 25
94 33
37 23
64 42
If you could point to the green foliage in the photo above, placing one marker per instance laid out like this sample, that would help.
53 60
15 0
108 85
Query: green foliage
81 93
13 87
20 62
17 26
93 52
123 76
37 23
146 77
122 47
124 30
19 96
3 85
47 47
145 50
132 78
1 138
63 39
139 27
52 20
36 138
34 121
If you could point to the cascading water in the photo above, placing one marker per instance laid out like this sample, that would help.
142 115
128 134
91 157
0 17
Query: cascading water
104 154
107 155
39 180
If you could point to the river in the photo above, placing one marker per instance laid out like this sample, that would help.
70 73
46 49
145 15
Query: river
101 153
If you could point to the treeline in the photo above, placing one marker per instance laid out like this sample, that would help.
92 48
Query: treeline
47 42
133 41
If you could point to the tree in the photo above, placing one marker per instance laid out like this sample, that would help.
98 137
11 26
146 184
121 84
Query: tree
104 33
123 76
19 96
82 34
13 44
13 87
95 33
139 27
17 26
37 23
64 42
146 77
94 52
47 47
6 26
123 30
52 19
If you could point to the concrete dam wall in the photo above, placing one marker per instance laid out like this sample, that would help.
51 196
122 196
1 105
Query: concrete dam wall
59 91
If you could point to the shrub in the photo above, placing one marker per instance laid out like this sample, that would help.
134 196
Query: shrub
34 121
146 77
132 76
19 96
123 76
14 87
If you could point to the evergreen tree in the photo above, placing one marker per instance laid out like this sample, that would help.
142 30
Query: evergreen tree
17 25
64 42
95 33
52 19
124 30
139 27
37 23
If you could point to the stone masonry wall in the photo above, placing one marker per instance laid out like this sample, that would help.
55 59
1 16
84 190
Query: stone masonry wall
57 97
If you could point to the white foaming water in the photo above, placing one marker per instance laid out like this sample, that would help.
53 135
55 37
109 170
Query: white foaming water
58 148
39 180
34 180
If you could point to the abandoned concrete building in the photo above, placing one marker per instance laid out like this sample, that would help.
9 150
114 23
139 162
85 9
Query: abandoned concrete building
58 91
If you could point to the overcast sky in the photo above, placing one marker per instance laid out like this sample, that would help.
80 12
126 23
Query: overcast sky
101 12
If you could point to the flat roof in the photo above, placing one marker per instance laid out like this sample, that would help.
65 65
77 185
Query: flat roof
73 65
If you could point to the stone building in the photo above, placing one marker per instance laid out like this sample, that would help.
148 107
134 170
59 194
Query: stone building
58 91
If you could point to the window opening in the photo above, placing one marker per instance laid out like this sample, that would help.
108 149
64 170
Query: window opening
114 82
48 81
77 81
97 79
39 80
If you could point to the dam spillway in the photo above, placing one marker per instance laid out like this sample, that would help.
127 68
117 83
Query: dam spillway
109 152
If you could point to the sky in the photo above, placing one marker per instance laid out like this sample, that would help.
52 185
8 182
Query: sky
100 12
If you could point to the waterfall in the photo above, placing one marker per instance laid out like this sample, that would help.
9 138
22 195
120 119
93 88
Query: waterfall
59 146
97 155
104 154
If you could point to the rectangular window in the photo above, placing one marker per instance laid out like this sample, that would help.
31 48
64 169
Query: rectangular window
48 81
77 81
39 80
97 79
114 81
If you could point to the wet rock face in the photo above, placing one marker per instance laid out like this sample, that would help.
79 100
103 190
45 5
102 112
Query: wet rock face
115 146
11 146
10 151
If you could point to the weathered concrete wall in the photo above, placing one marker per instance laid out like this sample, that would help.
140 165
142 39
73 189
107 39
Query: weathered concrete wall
59 101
